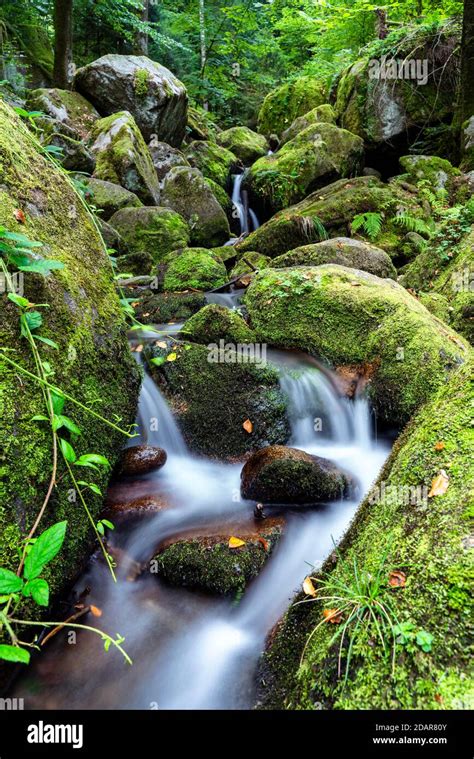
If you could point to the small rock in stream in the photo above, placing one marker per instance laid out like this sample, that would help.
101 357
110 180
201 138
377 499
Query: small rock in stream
140 459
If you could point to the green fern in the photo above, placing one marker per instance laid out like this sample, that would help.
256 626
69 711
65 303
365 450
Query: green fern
370 223
412 224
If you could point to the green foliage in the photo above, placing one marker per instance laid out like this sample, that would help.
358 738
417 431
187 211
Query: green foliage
370 223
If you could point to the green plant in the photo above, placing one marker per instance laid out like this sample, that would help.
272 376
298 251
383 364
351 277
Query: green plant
370 223
411 638
412 224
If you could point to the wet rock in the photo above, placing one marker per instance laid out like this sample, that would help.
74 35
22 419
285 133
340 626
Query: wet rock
122 156
140 459
165 157
149 504
159 308
340 250
150 92
278 474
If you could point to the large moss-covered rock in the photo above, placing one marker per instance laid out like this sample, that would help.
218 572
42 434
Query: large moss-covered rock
200 124
93 363
213 399
187 192
382 102
335 207
283 105
149 233
244 143
279 474
165 157
322 113
433 272
248 263
433 172
214 161
108 197
159 308
397 528
349 317
69 108
195 269
150 92
213 323
320 154
122 156
72 153
339 250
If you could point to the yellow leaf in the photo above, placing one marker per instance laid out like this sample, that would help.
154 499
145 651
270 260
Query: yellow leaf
308 587
236 542
439 446
171 357
439 485
248 426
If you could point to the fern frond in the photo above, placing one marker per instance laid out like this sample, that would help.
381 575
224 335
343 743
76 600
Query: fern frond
412 224
370 222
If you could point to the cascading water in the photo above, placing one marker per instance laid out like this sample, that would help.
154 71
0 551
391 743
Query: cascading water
247 218
192 651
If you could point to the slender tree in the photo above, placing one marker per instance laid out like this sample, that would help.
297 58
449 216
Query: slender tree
63 60
202 39
142 37
466 86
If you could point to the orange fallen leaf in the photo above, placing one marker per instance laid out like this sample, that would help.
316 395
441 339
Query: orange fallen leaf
439 485
439 446
236 542
333 616
308 587
264 543
397 579
19 216
96 611
248 426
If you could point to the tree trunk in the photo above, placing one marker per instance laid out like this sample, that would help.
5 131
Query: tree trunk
63 63
466 84
202 38
142 37
381 23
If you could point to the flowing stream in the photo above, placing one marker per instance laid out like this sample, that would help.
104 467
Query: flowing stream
191 650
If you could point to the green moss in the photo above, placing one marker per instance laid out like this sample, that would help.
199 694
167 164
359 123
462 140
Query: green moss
428 541
322 113
200 124
160 308
214 161
93 362
141 82
344 251
283 105
194 268
245 144
213 323
108 197
348 317
214 399
69 108
243 265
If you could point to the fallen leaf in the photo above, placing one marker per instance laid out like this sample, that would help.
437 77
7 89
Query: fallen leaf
19 216
96 611
439 485
264 543
236 542
355 284
171 357
135 303
248 426
308 587
333 616
139 349
439 446
397 579
161 344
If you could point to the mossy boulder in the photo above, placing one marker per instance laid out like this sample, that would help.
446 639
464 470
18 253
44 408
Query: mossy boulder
74 154
350 317
93 363
278 474
283 105
160 308
122 156
222 197
436 173
69 108
432 272
213 399
398 528
200 125
379 97
109 197
209 564
335 207
214 323
339 250
322 113
320 154
150 92
187 192
165 157
195 269
248 263
214 161
244 143
151 232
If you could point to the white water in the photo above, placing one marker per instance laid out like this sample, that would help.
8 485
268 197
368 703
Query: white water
243 216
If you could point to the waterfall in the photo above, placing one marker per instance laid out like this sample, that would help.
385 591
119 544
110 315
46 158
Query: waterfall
245 214
156 422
